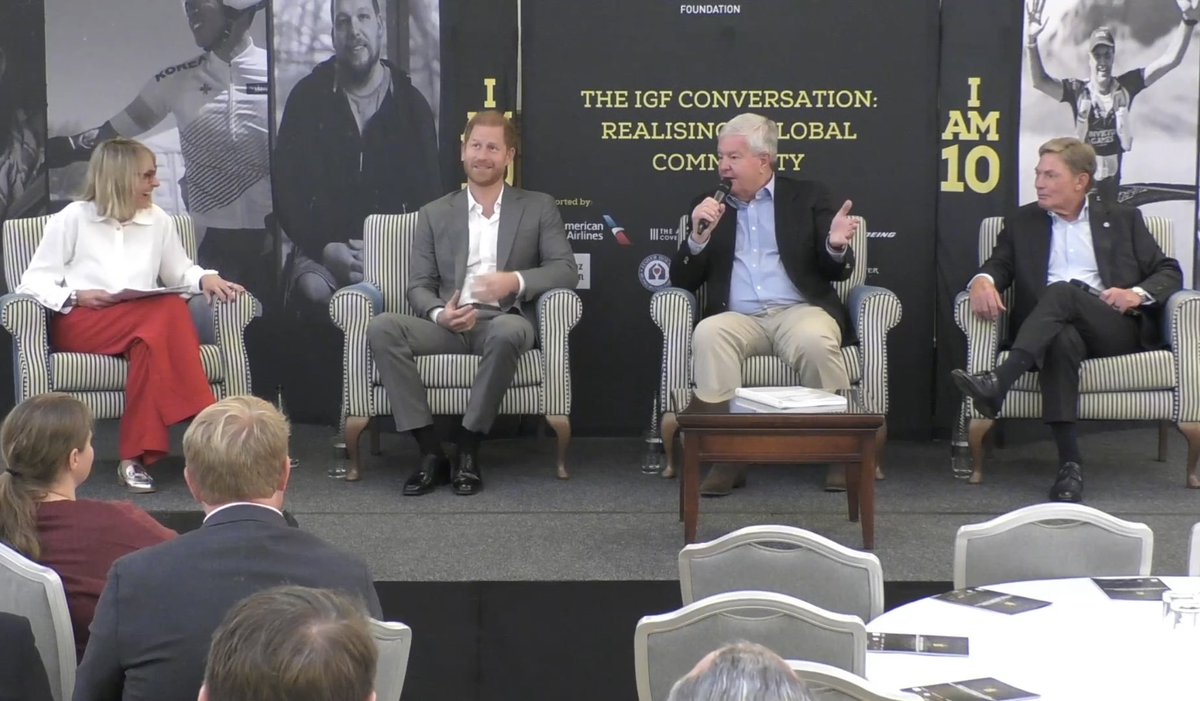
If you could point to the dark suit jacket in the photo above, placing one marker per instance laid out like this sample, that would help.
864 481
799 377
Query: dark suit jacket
22 674
158 611
1126 255
803 214
531 240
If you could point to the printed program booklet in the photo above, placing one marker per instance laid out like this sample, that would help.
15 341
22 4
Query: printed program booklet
917 644
128 294
794 398
985 689
992 600
1132 588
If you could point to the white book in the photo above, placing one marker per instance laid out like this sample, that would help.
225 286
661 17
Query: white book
130 293
793 398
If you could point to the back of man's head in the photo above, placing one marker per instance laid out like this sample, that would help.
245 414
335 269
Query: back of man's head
237 450
292 644
740 671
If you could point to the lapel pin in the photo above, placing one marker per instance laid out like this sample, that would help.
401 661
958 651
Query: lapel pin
1105 225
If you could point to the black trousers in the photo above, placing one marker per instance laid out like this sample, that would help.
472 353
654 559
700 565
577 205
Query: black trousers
1067 326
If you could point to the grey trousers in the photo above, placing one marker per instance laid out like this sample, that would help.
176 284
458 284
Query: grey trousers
396 339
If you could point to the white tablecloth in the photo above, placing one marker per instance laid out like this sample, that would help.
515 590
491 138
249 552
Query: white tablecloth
1083 647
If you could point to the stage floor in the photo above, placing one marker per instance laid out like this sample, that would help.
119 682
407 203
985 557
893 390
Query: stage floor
609 522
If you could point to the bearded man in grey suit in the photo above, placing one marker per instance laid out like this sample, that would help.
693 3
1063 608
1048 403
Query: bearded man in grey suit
480 259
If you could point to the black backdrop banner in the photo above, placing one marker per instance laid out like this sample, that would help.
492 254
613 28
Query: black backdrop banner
620 125
978 111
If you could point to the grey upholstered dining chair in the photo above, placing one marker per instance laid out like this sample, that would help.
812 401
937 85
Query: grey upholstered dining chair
1050 541
394 642
826 683
36 593
784 560
667 646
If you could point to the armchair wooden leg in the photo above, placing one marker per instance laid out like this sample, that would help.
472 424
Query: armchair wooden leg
670 426
373 425
561 426
1162 440
880 440
1191 431
354 429
977 431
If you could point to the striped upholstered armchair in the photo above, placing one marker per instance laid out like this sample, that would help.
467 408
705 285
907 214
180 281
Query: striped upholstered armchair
99 380
1161 385
874 311
542 385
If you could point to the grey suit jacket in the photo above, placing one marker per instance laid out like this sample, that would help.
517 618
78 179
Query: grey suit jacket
531 241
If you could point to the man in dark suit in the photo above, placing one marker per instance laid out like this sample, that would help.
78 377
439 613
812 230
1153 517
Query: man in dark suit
769 260
1089 282
158 611
22 674
480 259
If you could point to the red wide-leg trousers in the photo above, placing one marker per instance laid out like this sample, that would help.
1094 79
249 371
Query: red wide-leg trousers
166 382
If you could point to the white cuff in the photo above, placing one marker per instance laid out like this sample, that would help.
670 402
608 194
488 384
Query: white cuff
837 255
694 247
972 280
521 286
1146 298
435 313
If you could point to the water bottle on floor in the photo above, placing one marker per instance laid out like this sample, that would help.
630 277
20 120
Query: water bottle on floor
960 449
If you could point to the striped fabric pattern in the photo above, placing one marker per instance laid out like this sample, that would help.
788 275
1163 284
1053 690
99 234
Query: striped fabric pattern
99 380
542 384
874 311
1154 385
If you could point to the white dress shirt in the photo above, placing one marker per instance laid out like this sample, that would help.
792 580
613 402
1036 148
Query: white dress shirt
222 507
81 250
482 235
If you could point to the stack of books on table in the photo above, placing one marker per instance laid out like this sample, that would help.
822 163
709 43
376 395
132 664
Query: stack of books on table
790 399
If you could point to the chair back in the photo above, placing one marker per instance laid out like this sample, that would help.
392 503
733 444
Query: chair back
36 593
394 642
827 683
784 560
387 243
667 646
843 287
1050 541
22 236
1193 569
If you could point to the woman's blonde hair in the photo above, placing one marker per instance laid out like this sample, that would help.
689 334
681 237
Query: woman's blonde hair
36 439
113 177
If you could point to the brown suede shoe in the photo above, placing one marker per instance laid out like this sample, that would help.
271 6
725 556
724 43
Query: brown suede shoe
835 478
722 479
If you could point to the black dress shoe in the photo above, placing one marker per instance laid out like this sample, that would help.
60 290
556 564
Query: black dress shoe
1069 485
983 389
434 470
466 480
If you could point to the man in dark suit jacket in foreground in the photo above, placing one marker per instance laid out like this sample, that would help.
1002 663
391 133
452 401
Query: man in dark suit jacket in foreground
480 259
769 257
22 674
157 613
1045 251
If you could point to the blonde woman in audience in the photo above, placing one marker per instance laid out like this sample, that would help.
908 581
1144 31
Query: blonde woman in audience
113 239
47 446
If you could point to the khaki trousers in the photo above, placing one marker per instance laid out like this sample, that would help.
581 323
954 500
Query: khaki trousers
802 335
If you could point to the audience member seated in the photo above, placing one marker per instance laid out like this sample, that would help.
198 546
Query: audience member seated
47 446
292 644
740 671
159 609
22 674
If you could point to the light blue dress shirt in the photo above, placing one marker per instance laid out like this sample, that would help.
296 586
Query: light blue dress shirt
1072 252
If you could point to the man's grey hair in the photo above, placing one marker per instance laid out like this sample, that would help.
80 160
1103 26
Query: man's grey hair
762 134
740 671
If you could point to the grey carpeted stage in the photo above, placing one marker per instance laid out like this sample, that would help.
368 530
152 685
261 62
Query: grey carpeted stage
610 522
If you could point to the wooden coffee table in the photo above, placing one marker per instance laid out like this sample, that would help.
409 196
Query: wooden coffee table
733 433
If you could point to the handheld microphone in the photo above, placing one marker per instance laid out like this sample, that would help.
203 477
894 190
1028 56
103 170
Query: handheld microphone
720 195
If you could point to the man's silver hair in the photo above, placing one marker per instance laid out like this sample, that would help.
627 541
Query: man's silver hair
741 671
761 134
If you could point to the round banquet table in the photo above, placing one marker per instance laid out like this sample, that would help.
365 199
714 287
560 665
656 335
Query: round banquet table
1083 647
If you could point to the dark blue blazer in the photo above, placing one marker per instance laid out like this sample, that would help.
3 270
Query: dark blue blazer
160 606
